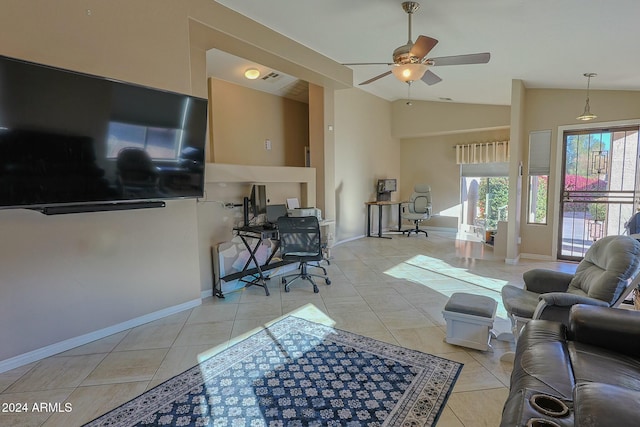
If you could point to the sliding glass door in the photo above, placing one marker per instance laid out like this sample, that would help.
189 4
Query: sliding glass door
599 186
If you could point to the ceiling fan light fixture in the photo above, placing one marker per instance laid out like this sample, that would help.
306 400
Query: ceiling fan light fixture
252 73
587 114
409 72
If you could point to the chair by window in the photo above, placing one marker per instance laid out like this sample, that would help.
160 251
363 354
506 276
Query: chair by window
418 208
604 278
300 241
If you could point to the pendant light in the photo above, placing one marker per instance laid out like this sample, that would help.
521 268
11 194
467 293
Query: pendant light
587 114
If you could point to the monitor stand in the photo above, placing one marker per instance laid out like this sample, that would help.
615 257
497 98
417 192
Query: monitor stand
245 211
385 196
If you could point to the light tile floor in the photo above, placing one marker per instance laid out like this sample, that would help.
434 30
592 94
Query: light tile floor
389 289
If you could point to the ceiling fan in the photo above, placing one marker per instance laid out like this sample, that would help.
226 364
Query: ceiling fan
410 62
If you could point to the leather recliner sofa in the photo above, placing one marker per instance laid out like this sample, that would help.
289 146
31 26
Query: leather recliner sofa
584 374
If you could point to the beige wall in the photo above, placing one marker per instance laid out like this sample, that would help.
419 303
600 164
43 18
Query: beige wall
244 118
549 109
424 118
517 141
62 277
432 160
430 130
316 141
365 151
66 276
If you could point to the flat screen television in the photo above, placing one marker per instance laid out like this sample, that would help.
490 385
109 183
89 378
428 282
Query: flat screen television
72 138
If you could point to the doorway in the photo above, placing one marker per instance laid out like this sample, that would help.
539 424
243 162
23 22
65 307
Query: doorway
598 188
484 203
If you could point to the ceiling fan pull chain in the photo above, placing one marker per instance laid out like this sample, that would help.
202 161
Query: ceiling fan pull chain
409 95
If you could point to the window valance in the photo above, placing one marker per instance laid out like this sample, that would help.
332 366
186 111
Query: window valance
482 152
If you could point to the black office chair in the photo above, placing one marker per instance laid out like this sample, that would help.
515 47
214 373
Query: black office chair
300 241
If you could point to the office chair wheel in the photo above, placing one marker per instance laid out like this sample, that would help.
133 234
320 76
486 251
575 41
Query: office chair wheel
327 281
315 289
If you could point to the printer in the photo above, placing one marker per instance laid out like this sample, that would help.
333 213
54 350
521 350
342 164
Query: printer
305 212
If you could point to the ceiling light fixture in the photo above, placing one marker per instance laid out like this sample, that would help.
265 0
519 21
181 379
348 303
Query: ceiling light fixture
252 73
409 72
587 114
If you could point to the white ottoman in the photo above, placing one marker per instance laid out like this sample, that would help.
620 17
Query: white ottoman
469 320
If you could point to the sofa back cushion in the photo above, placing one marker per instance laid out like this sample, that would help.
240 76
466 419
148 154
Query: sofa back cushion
606 268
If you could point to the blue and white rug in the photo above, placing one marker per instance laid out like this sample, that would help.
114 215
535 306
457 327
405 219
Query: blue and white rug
299 373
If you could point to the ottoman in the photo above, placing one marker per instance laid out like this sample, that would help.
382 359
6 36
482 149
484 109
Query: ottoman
469 320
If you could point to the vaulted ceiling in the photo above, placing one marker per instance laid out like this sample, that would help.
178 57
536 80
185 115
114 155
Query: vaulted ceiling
545 43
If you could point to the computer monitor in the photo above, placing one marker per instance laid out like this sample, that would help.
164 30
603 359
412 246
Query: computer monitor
274 212
384 189
258 200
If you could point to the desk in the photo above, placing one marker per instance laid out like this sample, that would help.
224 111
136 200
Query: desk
380 204
259 233
251 267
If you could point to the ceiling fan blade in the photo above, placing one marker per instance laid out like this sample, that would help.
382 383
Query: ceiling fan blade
368 63
423 46
473 58
430 78
373 79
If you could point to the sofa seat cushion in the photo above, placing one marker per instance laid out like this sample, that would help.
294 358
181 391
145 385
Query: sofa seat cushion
599 405
519 302
596 364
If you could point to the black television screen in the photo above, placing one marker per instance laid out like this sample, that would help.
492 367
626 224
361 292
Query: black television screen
72 138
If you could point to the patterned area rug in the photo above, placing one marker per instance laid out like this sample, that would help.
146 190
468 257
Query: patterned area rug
299 373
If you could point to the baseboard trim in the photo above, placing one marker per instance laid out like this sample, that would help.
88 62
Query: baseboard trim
537 256
512 261
59 347
350 239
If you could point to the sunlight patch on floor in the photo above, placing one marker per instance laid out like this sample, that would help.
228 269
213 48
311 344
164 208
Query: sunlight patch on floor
445 279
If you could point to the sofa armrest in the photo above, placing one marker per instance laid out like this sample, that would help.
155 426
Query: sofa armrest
556 305
565 299
610 328
542 281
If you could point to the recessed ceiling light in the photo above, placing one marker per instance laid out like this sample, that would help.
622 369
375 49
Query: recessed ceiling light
252 73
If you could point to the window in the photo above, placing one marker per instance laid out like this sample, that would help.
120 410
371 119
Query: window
538 190
539 159
485 196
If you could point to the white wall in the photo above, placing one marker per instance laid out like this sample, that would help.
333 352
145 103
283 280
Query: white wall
68 275
61 277
364 151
